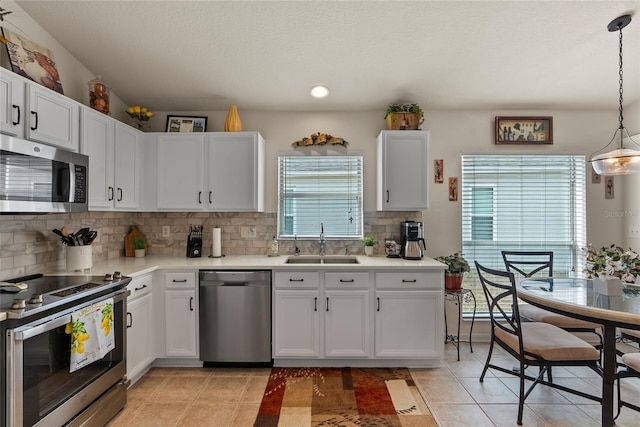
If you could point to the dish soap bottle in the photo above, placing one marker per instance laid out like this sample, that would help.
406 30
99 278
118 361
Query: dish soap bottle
274 247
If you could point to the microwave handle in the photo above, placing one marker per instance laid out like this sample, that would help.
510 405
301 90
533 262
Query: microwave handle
72 182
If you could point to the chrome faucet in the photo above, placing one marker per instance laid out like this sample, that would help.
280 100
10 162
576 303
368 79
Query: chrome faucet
322 240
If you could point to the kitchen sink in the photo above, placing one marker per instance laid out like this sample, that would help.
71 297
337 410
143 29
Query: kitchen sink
327 259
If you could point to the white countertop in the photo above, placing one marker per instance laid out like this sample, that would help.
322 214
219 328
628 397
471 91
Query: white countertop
130 266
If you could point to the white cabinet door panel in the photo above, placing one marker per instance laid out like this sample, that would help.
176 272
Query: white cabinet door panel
347 323
180 172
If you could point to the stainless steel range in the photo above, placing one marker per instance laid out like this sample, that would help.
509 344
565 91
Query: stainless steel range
38 388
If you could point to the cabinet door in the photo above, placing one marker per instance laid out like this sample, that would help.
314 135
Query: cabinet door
180 323
235 170
402 170
97 143
139 336
53 118
346 323
127 167
296 331
180 172
12 102
409 324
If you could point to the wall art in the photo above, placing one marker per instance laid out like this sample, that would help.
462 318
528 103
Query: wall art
438 171
453 189
608 187
524 130
32 61
186 124
595 178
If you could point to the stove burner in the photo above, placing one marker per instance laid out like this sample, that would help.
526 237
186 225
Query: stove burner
74 290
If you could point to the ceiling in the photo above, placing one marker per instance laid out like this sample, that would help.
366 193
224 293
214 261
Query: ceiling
266 55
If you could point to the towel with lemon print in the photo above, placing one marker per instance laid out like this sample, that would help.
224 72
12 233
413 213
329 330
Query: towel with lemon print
91 331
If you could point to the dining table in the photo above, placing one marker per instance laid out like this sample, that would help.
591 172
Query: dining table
580 299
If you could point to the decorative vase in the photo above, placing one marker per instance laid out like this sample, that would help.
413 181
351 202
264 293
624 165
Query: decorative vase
610 287
368 250
403 121
453 282
232 122
139 253
99 95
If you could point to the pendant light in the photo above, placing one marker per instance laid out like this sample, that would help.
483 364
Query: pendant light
621 161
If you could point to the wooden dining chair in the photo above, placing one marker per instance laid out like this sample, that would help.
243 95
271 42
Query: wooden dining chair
527 264
530 343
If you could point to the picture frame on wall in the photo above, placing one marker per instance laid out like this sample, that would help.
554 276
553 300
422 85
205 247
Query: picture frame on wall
184 124
33 61
523 130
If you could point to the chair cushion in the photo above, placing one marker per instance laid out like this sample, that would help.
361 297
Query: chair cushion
631 332
632 360
549 342
536 314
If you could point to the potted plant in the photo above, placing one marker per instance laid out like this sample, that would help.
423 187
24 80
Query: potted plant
404 116
139 245
369 243
456 267
611 267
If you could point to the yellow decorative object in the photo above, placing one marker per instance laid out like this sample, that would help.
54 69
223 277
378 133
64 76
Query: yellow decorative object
232 122
320 139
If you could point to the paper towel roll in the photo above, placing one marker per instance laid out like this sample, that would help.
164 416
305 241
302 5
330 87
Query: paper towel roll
216 247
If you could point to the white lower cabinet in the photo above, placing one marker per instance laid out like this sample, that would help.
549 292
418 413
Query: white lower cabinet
140 352
346 323
296 323
180 315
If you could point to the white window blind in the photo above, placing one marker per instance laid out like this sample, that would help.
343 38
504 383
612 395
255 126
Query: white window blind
320 189
523 203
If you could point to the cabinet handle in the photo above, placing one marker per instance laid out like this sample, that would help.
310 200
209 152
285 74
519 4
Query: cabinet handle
130 317
200 197
378 309
17 107
180 281
347 280
110 193
315 303
191 304
327 303
119 194
210 193
408 281
140 288
296 280
387 196
35 115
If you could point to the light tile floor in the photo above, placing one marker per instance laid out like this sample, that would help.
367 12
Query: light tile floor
231 397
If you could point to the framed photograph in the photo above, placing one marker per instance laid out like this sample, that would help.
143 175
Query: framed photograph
186 124
32 61
524 130
438 171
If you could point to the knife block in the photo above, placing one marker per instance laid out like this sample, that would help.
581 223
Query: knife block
194 248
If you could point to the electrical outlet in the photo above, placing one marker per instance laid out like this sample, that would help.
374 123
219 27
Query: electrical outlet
634 231
166 231
247 232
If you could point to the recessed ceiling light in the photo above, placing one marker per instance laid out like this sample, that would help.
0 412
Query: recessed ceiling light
319 91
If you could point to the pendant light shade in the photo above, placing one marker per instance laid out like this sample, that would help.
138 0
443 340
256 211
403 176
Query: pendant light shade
620 161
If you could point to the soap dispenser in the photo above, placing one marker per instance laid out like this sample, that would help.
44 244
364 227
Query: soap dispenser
274 247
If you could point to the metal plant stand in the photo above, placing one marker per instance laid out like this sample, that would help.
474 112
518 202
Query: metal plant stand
458 297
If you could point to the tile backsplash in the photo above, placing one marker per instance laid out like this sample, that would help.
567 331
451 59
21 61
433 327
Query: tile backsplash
28 245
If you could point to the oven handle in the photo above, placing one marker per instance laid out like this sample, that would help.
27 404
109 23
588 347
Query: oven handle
52 322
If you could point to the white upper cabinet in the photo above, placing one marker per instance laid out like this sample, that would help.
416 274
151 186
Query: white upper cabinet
402 170
115 154
236 172
211 171
37 113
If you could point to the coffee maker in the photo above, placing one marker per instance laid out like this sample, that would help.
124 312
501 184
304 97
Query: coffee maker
413 246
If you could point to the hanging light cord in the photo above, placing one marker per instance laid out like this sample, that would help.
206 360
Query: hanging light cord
620 74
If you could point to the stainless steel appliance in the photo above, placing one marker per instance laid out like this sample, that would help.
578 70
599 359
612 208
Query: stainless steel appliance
235 318
39 178
413 246
38 388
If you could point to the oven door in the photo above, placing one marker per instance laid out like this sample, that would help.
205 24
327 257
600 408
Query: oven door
40 388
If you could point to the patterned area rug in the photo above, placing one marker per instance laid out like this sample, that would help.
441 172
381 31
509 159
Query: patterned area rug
372 397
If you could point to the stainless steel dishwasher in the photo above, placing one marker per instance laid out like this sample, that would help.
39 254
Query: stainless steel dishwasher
235 318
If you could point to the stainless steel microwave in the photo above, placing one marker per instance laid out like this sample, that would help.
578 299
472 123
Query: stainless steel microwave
39 178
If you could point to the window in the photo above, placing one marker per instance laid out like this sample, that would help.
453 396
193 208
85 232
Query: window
319 189
523 203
